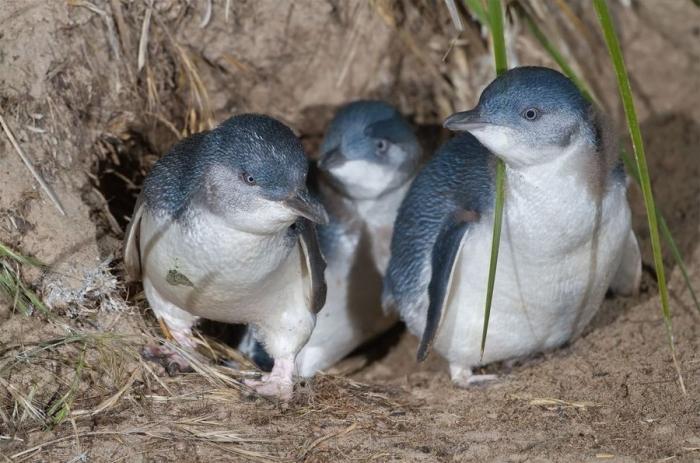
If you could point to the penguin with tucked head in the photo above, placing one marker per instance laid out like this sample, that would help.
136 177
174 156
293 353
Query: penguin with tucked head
566 236
368 158
224 230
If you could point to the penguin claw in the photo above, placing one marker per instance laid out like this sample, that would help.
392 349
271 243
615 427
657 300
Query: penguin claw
278 383
464 378
475 380
268 386
172 361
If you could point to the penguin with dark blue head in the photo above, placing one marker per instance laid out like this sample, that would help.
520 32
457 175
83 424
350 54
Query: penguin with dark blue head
224 230
566 236
368 158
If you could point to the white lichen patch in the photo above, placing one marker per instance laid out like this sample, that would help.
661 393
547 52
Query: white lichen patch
99 290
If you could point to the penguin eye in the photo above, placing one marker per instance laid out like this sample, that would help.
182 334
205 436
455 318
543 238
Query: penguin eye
246 177
531 114
382 146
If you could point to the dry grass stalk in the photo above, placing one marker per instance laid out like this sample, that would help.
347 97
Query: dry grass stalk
143 41
166 432
214 375
302 455
109 23
558 403
27 162
110 401
207 15
227 10
197 88
454 15
124 31
25 402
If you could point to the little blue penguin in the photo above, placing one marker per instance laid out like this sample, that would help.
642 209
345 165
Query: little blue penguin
566 236
224 230
367 160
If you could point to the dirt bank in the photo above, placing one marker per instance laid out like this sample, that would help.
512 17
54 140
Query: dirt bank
72 385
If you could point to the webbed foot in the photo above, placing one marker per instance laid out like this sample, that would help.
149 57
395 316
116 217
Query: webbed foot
464 378
172 361
278 383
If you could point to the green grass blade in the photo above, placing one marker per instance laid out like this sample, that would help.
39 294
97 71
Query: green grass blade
60 409
495 244
555 54
625 89
498 36
11 285
476 8
5 251
631 167
677 256
495 13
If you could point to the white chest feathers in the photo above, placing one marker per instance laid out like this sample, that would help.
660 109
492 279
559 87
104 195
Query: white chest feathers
212 270
378 216
560 248
353 314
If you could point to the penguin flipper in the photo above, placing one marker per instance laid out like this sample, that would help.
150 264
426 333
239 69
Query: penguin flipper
629 275
315 264
132 252
445 256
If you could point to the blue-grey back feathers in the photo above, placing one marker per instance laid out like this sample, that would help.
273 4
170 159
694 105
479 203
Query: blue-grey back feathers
458 178
171 181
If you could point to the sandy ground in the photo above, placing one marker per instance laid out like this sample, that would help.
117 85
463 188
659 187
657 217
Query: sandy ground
612 395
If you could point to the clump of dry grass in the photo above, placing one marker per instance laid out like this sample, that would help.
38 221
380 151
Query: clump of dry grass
69 381
341 396
48 381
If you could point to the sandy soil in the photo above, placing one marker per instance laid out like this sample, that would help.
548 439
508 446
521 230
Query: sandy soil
71 91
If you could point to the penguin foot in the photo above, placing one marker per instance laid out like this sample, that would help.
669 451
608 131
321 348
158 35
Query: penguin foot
171 360
464 378
278 383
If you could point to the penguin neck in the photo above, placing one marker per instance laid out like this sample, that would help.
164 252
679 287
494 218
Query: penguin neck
378 216
578 170
373 217
382 208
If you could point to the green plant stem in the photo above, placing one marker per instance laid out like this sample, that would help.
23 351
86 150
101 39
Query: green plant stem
555 54
625 89
23 298
495 245
498 37
495 13
631 168
476 7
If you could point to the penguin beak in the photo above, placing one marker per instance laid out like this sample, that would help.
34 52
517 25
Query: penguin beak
465 121
304 205
331 159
